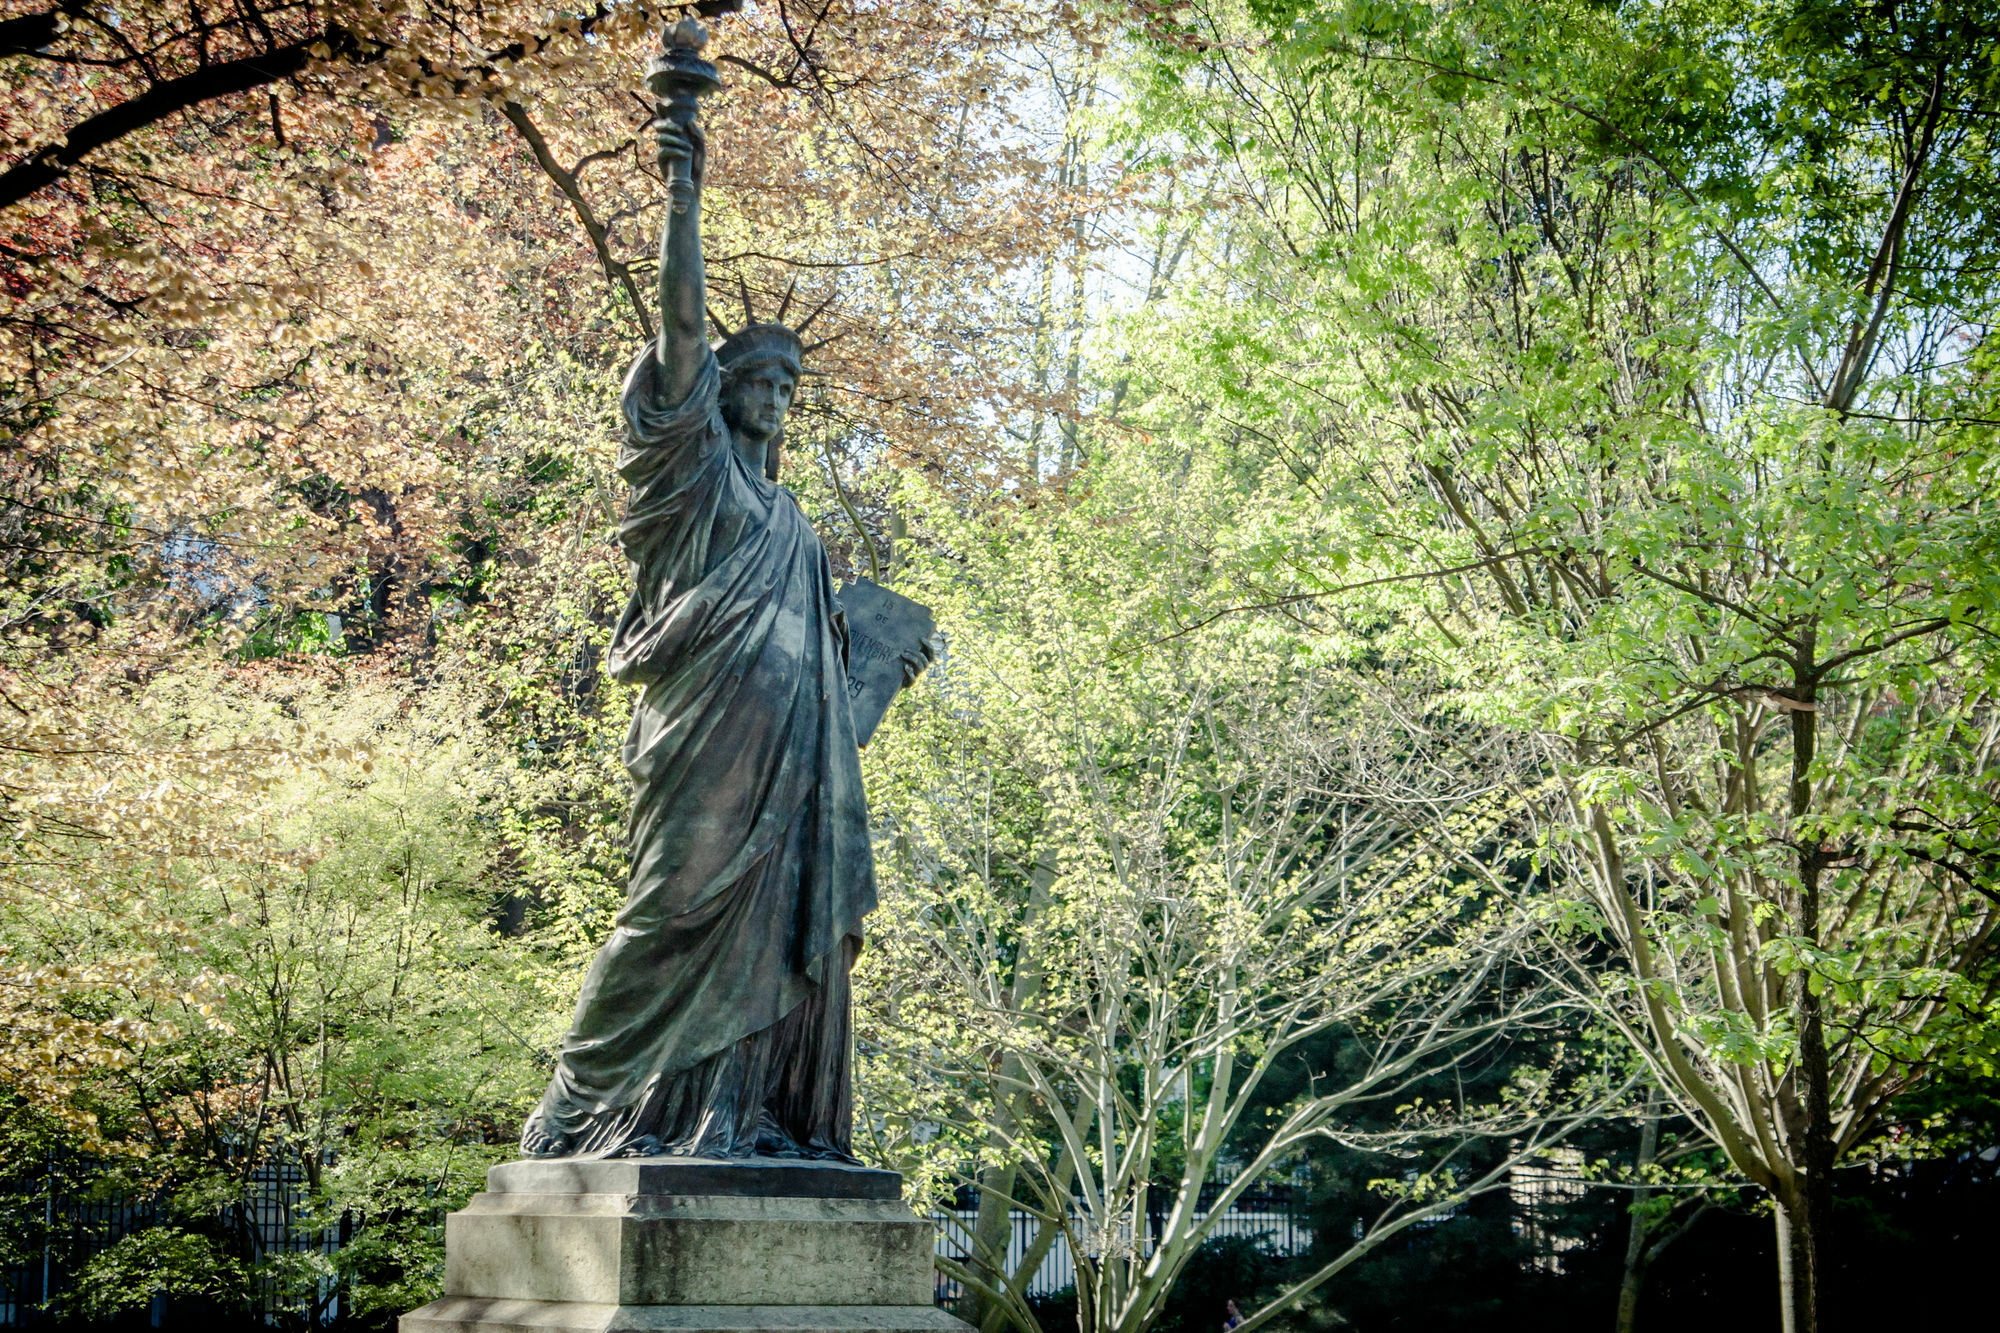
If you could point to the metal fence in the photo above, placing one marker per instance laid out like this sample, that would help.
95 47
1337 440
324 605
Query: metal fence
66 1231
72 1231
1539 1191
58 1234
1272 1220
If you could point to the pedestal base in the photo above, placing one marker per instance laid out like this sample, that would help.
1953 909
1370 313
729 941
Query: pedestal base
689 1245
472 1314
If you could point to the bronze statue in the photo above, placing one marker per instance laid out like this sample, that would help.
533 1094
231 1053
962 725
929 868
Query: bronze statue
714 1021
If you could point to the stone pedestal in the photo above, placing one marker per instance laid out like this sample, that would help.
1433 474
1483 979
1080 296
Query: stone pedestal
686 1244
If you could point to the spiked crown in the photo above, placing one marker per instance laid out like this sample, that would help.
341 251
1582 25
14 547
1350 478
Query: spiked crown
761 344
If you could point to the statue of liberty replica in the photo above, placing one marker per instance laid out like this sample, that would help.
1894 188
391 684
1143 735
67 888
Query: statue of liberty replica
690 1165
714 1020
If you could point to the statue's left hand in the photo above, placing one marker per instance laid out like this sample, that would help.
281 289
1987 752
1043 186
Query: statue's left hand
920 657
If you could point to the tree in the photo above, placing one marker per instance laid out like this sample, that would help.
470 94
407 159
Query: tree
1664 434
300 974
275 340
1124 890
151 63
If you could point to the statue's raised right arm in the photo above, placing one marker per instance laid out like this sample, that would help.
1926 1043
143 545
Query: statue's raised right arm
683 280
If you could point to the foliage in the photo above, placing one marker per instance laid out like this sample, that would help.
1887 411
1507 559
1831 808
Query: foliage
301 973
256 358
159 1261
1124 889
1666 441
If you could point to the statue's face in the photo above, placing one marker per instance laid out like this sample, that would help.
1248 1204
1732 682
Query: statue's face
755 402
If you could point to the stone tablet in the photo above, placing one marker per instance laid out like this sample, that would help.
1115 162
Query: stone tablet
882 627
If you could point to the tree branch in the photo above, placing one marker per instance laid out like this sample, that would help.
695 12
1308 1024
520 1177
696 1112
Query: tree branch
30 32
1296 598
52 162
1915 631
775 80
615 273
1861 340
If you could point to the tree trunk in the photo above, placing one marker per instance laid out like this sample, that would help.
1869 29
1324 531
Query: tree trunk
1798 1303
1787 1313
992 1229
991 1232
1808 1218
1038 1248
1806 1207
1635 1239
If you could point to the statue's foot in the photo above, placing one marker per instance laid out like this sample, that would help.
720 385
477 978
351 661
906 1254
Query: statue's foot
777 1145
773 1141
826 1152
539 1141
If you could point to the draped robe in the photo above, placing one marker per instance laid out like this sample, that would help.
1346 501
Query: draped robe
714 1020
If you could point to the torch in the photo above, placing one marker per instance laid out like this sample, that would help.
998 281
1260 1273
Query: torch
680 78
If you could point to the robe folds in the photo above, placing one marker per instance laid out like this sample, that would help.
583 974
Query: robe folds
714 1020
